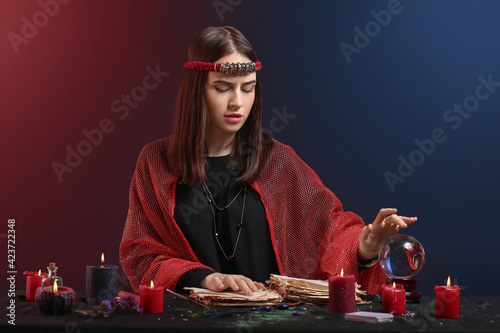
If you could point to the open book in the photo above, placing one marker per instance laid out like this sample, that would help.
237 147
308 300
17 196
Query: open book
280 288
235 298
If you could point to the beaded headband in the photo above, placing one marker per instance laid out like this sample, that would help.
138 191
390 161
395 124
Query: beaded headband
227 68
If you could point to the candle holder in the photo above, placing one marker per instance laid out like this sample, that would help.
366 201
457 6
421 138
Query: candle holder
54 300
401 258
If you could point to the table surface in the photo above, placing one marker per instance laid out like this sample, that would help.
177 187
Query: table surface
477 314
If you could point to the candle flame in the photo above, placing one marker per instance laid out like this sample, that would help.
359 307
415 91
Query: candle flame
55 286
448 282
394 285
39 272
342 272
152 284
102 258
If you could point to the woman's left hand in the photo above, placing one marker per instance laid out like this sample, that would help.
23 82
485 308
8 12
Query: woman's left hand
373 236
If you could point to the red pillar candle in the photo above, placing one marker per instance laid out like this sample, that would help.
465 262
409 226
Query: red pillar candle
341 290
151 298
447 301
393 299
33 281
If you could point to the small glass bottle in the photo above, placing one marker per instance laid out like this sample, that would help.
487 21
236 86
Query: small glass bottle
48 281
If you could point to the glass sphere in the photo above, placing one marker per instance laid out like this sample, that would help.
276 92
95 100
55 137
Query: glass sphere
401 257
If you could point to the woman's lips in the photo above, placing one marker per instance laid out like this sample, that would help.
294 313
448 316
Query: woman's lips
234 117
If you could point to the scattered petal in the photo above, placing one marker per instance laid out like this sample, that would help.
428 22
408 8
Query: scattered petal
282 306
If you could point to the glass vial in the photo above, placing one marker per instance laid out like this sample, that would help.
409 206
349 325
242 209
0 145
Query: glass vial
48 281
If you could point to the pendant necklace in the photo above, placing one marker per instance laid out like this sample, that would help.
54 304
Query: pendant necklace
211 201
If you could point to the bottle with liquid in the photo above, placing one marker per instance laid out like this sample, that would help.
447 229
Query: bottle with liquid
48 281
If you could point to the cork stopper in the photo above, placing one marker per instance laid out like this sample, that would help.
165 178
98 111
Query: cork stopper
52 265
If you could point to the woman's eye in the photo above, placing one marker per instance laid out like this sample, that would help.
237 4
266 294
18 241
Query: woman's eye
221 90
248 90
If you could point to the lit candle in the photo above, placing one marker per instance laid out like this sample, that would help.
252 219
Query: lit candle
447 301
341 290
33 281
151 298
101 283
54 300
394 299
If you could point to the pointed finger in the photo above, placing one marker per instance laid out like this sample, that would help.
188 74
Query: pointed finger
409 220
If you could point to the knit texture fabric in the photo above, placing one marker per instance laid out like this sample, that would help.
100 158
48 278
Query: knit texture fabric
312 236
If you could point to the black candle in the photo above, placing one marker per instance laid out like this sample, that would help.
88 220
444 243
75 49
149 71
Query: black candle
101 283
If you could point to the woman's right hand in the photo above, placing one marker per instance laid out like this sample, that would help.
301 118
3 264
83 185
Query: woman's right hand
220 282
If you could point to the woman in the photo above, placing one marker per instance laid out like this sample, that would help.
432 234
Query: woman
221 205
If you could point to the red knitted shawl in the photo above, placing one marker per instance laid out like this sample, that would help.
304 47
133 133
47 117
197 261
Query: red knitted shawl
312 236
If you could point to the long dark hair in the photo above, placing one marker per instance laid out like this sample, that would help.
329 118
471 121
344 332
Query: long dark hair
252 146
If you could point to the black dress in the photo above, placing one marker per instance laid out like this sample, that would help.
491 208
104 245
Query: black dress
254 255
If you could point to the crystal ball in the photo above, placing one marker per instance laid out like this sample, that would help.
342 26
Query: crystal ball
401 257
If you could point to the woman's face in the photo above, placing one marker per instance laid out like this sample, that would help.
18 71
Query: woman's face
229 98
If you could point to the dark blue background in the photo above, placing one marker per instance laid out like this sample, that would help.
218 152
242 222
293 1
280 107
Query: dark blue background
354 119
351 120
